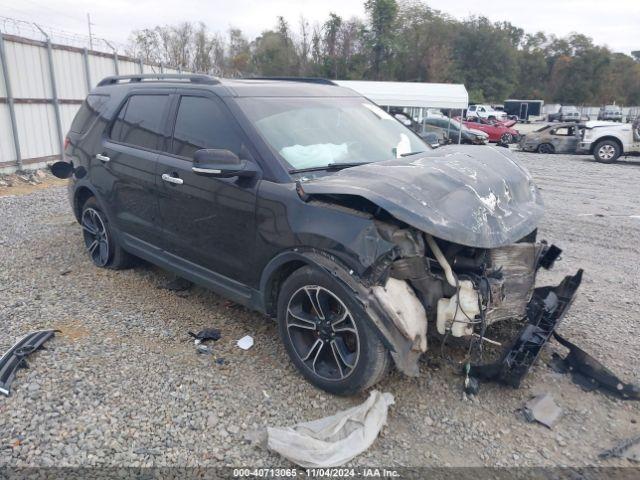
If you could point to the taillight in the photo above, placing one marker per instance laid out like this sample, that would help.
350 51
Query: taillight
66 142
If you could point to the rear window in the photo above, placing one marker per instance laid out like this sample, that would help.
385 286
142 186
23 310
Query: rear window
140 120
88 112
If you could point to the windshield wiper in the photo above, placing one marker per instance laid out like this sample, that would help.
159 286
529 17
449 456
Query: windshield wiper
331 167
411 153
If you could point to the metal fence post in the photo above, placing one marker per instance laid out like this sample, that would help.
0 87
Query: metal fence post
12 111
115 62
54 91
87 72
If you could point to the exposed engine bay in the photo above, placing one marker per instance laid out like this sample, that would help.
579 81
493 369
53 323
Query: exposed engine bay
460 290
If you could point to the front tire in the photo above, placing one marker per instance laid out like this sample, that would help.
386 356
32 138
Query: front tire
606 151
102 246
327 334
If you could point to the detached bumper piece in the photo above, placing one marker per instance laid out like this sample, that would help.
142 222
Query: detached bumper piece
15 357
546 309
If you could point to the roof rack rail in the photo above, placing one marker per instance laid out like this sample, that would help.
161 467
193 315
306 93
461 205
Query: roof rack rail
318 80
193 78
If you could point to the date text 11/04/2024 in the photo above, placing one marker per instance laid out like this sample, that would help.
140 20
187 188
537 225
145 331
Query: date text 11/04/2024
316 472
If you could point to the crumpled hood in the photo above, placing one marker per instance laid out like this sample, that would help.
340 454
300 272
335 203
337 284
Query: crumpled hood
471 195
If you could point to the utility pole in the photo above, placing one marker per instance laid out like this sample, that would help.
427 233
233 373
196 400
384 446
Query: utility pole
90 35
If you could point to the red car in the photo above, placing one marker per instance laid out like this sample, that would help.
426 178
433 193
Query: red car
497 131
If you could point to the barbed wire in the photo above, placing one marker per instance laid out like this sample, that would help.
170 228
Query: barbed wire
24 28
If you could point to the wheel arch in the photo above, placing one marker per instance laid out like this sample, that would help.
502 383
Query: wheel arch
80 196
274 274
610 138
283 265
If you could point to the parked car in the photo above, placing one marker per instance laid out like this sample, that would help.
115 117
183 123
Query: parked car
633 115
563 138
450 129
607 141
567 113
497 131
485 111
433 136
306 202
612 113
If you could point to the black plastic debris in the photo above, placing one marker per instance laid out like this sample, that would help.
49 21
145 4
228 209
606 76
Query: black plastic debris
590 374
207 334
627 448
549 257
16 357
544 313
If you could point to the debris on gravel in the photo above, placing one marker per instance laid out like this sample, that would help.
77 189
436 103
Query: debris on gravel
122 384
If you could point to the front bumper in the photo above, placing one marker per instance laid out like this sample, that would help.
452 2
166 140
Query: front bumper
545 311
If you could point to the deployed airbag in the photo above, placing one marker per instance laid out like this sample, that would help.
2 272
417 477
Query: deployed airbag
333 441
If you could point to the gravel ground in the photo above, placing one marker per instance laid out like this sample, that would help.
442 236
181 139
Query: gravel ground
122 384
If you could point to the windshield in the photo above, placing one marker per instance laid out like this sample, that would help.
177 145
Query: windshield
317 132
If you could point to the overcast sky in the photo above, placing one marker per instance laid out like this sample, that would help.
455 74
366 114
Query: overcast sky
615 23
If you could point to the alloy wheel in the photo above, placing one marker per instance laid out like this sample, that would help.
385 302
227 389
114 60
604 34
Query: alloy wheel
606 152
323 333
95 236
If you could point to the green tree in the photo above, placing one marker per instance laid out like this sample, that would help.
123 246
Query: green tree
485 58
381 15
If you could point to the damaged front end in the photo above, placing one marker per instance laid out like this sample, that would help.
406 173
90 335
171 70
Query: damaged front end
462 291
465 256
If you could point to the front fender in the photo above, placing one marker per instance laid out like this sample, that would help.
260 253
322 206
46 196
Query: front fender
400 348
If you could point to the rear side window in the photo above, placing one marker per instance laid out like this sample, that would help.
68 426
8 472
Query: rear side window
88 112
140 120
203 123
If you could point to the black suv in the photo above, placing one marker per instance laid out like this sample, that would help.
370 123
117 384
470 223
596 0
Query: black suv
307 202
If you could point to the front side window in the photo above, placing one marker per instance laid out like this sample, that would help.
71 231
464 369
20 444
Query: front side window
140 120
203 123
316 132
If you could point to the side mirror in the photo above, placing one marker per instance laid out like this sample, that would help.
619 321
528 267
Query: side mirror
221 163
62 169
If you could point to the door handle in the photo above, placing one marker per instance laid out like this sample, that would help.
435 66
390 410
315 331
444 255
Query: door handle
175 180
102 158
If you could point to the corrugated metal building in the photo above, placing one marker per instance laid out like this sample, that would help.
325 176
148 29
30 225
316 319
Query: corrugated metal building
48 82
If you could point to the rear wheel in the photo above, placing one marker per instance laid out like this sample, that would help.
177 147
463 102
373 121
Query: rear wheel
546 148
102 247
606 151
327 335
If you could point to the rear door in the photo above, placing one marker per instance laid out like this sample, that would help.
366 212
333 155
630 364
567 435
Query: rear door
208 223
125 166
565 139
